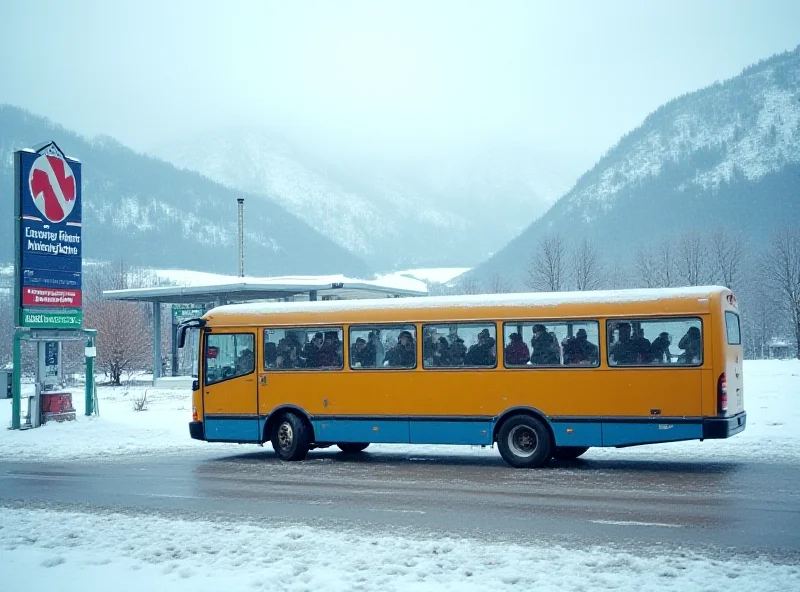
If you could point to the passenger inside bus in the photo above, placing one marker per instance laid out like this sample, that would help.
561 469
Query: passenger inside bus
544 347
403 354
482 353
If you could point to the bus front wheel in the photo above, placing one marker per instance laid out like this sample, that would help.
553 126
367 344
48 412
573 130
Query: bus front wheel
568 452
291 437
524 442
352 447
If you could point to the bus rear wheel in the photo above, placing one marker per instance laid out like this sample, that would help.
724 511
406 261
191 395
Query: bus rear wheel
352 447
568 452
524 442
291 437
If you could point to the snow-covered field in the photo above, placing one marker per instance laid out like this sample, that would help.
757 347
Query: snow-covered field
68 551
772 401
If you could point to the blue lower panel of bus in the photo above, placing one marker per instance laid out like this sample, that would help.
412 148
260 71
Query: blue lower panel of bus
624 433
451 432
578 433
239 429
361 430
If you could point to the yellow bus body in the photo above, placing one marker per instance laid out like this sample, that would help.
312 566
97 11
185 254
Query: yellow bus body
581 406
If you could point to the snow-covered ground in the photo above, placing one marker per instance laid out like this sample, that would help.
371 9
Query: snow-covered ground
772 402
69 551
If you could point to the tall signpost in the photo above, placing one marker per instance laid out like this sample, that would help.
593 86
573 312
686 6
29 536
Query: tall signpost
49 251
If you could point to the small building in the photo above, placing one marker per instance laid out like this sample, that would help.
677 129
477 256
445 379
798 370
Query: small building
779 349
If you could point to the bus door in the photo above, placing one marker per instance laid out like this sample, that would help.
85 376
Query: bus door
230 391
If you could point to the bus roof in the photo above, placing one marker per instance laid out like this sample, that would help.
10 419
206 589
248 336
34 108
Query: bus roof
694 300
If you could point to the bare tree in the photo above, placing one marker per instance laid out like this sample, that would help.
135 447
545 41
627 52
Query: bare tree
499 285
123 339
548 267
587 268
726 257
666 264
647 267
692 259
617 279
782 268
468 286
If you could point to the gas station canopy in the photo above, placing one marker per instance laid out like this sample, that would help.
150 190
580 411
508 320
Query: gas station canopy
221 289
206 288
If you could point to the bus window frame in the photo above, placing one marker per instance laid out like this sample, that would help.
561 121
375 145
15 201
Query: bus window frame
675 366
546 322
205 346
738 327
381 326
317 329
465 367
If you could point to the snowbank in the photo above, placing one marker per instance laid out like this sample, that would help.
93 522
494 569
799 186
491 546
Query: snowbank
47 550
772 401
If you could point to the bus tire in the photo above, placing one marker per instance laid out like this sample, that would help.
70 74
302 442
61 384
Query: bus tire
291 437
524 442
568 452
352 447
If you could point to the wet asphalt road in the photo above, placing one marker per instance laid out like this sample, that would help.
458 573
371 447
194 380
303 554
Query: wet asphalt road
724 507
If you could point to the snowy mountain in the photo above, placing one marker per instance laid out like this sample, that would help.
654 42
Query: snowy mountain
149 213
455 212
727 155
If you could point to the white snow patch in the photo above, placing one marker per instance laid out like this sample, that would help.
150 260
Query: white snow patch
76 552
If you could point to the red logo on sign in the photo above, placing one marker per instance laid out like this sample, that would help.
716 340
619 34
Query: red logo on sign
51 297
53 187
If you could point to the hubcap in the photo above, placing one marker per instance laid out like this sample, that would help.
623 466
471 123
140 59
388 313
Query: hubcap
285 436
522 441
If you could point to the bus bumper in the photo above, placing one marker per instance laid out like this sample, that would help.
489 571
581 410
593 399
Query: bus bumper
196 430
724 427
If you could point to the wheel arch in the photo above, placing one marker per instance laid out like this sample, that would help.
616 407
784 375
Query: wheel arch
522 410
276 413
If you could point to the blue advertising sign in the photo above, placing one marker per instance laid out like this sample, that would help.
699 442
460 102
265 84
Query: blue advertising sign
49 245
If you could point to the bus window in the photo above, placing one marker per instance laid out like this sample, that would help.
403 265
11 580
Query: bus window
467 345
567 343
651 342
732 328
383 346
314 348
229 356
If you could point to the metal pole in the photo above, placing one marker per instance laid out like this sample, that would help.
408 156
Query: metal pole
89 376
156 341
241 236
36 408
16 386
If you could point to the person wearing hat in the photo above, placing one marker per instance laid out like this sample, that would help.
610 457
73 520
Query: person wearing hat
544 348
480 354
311 351
403 354
517 352
579 351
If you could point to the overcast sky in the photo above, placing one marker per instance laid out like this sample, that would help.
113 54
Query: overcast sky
403 79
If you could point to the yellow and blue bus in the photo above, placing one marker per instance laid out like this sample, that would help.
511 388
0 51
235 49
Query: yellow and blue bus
542 376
